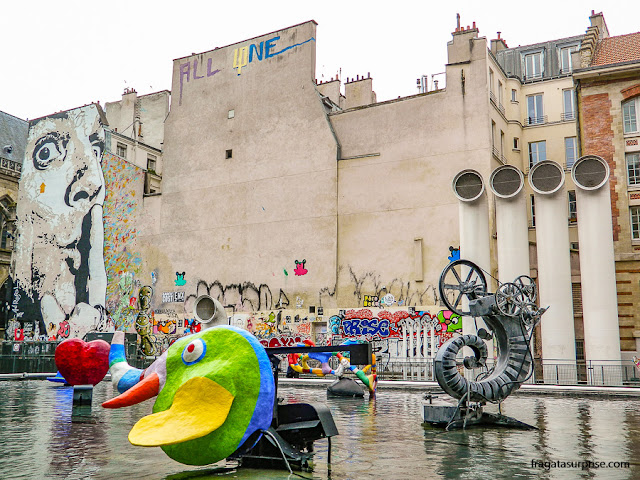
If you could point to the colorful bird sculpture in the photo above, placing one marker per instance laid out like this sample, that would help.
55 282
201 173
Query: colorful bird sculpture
214 390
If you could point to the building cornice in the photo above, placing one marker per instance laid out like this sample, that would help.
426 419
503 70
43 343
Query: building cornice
607 70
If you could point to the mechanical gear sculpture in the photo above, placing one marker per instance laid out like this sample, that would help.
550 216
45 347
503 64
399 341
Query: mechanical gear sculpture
510 315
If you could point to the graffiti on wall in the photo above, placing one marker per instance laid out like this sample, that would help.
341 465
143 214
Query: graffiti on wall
60 269
243 297
144 319
300 270
122 210
124 313
180 281
388 329
242 57
172 297
368 285
275 328
454 254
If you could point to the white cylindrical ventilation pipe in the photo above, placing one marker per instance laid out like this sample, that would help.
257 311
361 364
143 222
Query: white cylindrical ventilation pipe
468 187
554 270
512 229
597 263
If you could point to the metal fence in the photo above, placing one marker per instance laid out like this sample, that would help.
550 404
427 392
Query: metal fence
38 357
603 373
549 372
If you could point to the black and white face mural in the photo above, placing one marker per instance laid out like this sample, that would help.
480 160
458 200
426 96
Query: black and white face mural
60 279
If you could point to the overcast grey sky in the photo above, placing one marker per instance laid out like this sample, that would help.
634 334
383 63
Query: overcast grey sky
60 55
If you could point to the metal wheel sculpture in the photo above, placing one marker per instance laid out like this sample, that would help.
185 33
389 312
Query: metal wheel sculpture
510 315
510 299
459 280
528 287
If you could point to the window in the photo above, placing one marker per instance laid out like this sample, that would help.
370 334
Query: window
533 66
573 212
579 344
501 144
533 211
231 114
516 143
121 150
570 152
493 134
491 80
633 168
635 223
537 152
514 95
494 145
568 105
629 116
500 93
151 163
228 154
7 222
565 59
535 113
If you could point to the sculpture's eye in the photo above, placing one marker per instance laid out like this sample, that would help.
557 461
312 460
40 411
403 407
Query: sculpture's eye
194 352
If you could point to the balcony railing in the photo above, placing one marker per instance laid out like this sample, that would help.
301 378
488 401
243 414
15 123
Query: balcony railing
535 120
532 76
567 116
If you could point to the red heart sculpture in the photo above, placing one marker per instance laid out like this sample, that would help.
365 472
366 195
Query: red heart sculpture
82 363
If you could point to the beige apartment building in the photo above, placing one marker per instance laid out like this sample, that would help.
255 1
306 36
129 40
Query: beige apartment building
608 91
310 209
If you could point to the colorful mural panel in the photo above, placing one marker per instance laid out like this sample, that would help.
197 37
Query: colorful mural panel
122 209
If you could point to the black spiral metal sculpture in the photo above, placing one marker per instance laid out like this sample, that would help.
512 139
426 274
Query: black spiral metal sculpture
510 316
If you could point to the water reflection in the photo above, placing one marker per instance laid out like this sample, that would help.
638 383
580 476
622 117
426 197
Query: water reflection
42 437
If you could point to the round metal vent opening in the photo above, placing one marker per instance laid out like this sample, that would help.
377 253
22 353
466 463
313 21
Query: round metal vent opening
204 309
546 177
506 181
590 172
468 185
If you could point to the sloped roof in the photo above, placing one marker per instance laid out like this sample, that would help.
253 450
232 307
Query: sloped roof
619 49
13 137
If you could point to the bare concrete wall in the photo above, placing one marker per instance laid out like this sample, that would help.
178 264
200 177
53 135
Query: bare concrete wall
255 217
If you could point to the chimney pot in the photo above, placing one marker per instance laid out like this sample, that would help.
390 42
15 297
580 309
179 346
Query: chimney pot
474 25
499 35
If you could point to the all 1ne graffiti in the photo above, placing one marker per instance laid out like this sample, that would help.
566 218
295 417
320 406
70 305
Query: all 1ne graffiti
242 57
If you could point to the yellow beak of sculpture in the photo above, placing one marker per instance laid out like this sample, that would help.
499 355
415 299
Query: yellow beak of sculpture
199 407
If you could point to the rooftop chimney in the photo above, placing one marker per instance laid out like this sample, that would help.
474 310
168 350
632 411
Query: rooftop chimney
498 44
